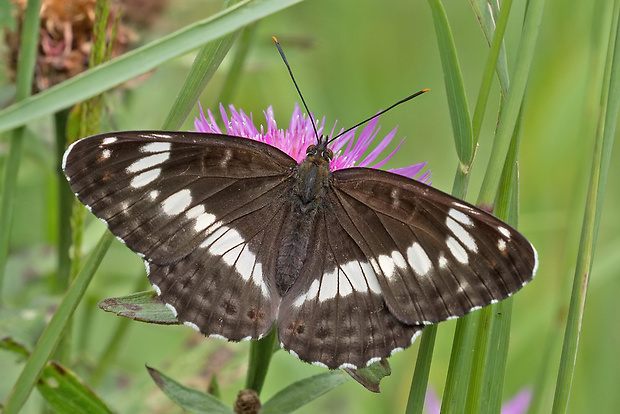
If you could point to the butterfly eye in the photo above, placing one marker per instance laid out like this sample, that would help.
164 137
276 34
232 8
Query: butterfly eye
327 154
311 150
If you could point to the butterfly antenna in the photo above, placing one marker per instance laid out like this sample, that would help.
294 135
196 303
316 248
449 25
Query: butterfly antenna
296 87
410 97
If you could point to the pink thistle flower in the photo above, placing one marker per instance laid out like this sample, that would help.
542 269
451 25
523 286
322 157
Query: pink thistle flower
348 151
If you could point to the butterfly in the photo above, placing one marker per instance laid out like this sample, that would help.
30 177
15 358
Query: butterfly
238 238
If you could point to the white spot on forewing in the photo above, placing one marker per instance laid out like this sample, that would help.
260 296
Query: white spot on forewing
462 206
156 147
457 250
157 289
105 154
217 336
504 231
245 338
399 260
109 140
463 235
442 261
501 245
418 259
177 202
172 309
153 194
319 364
227 157
204 221
347 365
161 135
195 211
460 217
387 266
145 178
148 162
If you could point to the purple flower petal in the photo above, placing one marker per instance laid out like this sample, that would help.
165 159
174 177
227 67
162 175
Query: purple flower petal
348 150
519 403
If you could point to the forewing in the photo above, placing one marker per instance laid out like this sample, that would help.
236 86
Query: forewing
162 193
335 314
436 257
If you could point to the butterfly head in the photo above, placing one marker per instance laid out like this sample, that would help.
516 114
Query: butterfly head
319 153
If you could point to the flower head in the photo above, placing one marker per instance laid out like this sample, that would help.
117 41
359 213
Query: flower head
294 140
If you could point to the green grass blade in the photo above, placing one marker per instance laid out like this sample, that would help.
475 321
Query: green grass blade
261 352
126 67
609 106
465 149
234 73
419 383
491 350
459 113
490 28
494 64
25 70
512 105
53 331
205 64
455 391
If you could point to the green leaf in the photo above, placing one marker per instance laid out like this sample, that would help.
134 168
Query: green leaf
60 387
67 393
606 128
139 61
371 376
53 331
459 113
187 398
302 392
11 345
142 306
510 110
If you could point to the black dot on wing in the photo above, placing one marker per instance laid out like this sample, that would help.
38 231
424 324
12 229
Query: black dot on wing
323 332
230 308
256 314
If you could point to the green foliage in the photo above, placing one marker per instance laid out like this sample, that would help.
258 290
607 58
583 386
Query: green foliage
545 94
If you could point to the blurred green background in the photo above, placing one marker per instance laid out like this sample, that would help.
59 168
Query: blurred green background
350 60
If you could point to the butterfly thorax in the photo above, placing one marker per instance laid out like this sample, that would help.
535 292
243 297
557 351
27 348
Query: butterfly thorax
312 179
